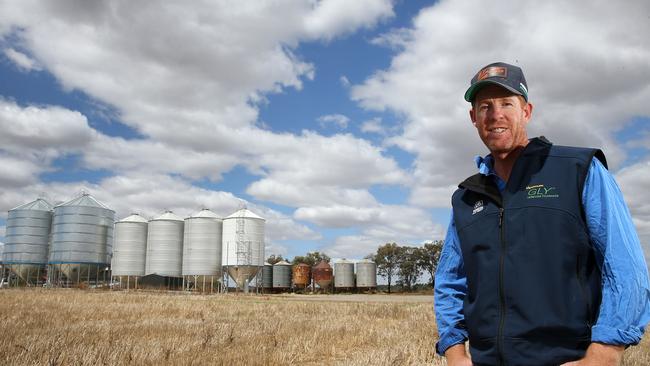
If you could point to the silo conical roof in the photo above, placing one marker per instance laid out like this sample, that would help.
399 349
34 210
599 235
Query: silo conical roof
169 216
37 205
134 218
85 200
205 213
282 263
245 213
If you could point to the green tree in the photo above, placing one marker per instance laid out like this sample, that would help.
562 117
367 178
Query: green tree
311 258
429 256
408 266
274 258
387 260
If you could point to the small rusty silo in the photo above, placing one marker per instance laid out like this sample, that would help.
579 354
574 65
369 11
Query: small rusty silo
322 273
301 275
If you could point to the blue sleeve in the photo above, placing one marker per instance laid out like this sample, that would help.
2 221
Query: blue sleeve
449 293
624 309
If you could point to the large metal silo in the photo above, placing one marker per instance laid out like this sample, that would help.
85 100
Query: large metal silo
366 274
130 246
202 250
27 241
165 246
344 274
243 246
282 275
82 241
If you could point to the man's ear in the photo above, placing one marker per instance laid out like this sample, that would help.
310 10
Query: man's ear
528 110
472 116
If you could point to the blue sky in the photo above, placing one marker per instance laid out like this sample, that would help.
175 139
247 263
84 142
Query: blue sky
341 123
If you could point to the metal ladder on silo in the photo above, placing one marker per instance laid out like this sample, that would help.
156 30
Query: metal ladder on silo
243 248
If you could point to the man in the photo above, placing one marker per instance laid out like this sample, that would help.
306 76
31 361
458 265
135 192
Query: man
541 264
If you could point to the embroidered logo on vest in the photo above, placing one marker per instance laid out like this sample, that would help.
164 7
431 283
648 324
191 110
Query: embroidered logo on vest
541 191
478 207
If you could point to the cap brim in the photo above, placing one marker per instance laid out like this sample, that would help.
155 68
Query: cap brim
471 92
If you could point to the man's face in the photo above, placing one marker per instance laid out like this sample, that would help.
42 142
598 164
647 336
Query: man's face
500 118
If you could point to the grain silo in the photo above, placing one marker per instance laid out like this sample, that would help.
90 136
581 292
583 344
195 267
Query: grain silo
165 246
267 276
282 276
27 241
301 276
344 274
202 251
322 273
243 246
129 250
366 274
82 242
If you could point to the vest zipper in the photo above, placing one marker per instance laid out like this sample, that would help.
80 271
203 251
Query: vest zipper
502 298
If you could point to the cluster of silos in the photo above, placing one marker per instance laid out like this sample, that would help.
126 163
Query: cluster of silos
195 249
82 242
345 278
300 277
27 243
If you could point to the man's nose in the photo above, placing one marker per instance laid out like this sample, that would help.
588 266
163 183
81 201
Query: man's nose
495 112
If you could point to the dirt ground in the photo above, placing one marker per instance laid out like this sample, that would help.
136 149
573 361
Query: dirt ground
383 298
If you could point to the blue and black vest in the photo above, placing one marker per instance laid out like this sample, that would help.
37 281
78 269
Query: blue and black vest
533 285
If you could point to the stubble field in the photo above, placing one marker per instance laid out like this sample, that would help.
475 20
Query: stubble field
75 327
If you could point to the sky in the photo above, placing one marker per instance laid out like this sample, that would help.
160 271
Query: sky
341 122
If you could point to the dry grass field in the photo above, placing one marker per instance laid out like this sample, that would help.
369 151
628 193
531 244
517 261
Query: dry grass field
75 327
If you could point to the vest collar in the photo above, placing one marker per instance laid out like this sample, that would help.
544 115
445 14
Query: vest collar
485 185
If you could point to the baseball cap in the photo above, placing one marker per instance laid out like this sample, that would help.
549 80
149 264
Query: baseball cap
499 73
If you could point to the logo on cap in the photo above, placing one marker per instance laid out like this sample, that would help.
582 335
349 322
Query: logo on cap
491 71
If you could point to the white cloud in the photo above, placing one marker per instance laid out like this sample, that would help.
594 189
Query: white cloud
24 62
338 120
373 126
42 128
590 79
32 137
379 224
396 39
344 81
334 17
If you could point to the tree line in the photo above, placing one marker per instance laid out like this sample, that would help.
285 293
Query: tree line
402 265
407 264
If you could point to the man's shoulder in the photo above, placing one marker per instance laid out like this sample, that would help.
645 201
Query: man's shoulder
583 154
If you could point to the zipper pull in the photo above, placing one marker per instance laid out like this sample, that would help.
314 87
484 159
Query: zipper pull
500 216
